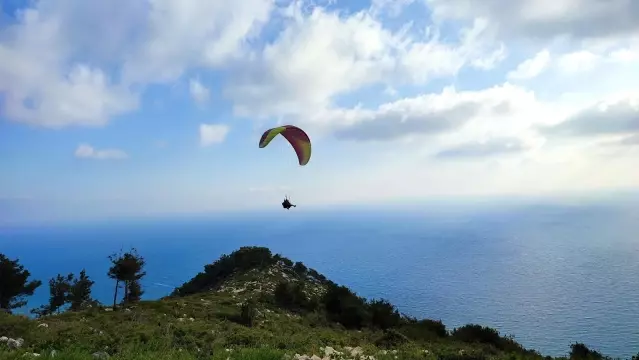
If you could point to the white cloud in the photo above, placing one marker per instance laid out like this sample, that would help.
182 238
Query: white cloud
41 86
212 134
578 62
86 151
504 110
325 54
198 91
632 140
609 117
478 149
378 78
532 67
179 34
547 19
53 61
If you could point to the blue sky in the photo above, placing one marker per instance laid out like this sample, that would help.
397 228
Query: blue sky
119 107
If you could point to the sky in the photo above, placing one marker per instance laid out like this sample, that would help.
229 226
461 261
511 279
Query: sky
157 106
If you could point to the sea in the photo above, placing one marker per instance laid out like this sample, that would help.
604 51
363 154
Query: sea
548 273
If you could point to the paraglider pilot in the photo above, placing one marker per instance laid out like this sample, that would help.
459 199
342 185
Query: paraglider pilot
287 204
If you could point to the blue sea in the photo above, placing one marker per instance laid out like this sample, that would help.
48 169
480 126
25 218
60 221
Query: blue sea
550 274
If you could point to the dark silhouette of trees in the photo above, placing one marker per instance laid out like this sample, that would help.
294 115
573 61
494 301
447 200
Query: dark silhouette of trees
248 313
345 307
292 297
127 268
65 290
300 268
134 292
424 329
579 351
79 295
473 333
14 284
384 315
58 293
246 258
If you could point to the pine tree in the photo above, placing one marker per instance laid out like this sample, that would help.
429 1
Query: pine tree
80 292
14 284
135 292
59 290
127 268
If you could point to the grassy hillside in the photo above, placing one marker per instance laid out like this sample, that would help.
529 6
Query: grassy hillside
252 304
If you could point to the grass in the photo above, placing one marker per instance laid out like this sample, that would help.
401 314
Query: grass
208 325
204 326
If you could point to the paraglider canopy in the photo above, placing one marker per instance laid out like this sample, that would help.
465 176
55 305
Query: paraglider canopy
298 139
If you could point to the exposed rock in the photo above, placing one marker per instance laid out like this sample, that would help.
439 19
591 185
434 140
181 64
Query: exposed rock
4 339
354 351
15 343
43 325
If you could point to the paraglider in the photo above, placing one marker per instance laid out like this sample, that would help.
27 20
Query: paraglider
298 139
286 204
300 142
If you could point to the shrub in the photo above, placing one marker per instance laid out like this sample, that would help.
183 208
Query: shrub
580 351
300 268
391 339
384 315
246 258
425 329
248 313
292 297
474 333
345 307
288 262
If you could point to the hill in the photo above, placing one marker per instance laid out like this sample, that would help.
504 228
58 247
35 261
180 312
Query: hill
252 304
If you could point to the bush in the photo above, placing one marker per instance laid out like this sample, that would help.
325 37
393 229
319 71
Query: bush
248 313
292 297
288 262
384 315
316 275
300 268
391 339
580 351
345 307
473 333
246 258
425 329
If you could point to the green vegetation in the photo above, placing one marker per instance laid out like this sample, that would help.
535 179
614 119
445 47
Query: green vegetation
250 304
14 284
127 268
